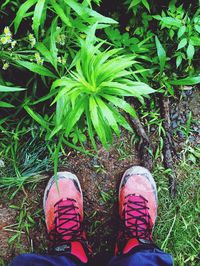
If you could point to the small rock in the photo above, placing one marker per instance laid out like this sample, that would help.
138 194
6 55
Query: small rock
174 116
182 120
2 164
195 128
180 134
191 138
189 92
174 124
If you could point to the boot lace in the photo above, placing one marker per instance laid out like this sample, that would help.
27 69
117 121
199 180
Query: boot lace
137 221
66 214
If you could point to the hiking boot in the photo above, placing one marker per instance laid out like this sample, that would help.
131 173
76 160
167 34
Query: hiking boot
63 208
137 209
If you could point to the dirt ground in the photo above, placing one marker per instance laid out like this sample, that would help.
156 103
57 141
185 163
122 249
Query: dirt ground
99 177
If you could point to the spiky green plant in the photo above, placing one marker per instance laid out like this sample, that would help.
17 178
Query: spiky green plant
96 90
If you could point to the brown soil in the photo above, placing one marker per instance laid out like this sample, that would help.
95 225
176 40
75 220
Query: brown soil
99 177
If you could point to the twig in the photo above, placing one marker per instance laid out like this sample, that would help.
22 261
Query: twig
167 148
145 149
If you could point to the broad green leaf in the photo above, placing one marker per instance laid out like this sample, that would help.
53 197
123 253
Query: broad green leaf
134 3
33 67
197 28
10 89
120 119
22 11
106 127
186 81
181 31
53 49
61 110
108 115
146 4
59 11
96 121
74 115
170 89
37 16
182 43
121 104
63 82
190 51
6 105
69 92
55 131
161 54
194 40
158 17
89 124
78 8
178 60
38 118
112 67
86 12
169 21
100 18
130 89
91 38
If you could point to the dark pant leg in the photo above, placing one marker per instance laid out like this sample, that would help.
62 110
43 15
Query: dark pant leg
39 260
147 257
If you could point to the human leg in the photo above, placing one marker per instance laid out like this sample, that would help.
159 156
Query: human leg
44 260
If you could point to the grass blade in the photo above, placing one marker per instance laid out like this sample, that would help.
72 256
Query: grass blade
37 117
186 81
59 11
41 70
121 104
161 54
6 105
37 16
10 89
22 11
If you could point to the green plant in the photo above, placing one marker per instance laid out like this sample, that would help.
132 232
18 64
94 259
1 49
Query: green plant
65 10
165 81
25 158
181 29
6 90
130 41
96 89
179 215
134 5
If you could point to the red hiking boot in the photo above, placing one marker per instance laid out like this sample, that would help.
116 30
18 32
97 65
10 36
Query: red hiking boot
63 208
137 209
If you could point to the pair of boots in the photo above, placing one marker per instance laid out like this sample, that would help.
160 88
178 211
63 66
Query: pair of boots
63 207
